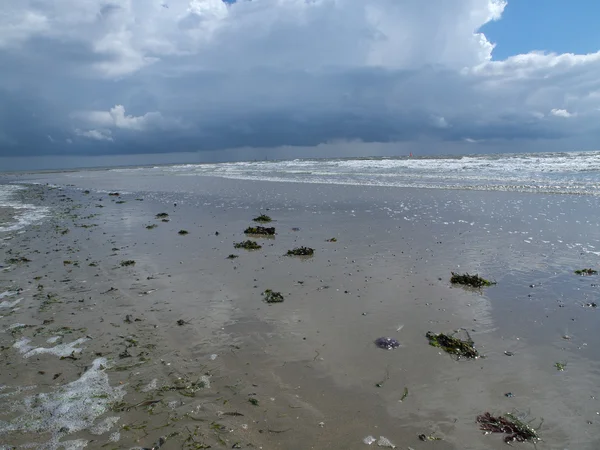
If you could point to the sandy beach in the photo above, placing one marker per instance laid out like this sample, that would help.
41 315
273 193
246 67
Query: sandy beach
118 331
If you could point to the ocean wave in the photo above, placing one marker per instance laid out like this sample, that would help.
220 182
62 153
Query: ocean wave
24 214
568 173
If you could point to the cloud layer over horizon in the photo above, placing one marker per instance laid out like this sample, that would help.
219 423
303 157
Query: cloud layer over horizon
97 77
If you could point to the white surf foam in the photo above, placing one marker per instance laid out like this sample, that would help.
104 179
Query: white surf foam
65 410
565 173
22 345
26 214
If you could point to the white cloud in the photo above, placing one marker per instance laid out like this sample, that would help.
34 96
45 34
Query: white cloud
439 122
116 118
561 113
19 24
96 135
294 33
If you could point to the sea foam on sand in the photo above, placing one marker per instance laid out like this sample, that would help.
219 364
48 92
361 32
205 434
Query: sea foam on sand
68 409
22 345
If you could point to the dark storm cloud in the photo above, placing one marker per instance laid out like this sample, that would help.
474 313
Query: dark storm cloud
98 78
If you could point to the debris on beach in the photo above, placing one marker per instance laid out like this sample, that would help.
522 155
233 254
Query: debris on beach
517 430
127 262
113 194
470 280
387 343
263 218
253 401
404 394
272 296
560 366
232 256
151 227
183 232
158 444
260 231
185 387
453 345
586 272
18 260
385 379
162 215
301 251
248 245
425 438
332 240
591 305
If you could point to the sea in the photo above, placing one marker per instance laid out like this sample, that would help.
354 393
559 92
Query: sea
567 173
549 173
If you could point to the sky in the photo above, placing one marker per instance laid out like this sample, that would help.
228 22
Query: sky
545 25
109 80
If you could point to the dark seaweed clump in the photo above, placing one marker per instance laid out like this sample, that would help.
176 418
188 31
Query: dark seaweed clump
182 232
560 366
517 430
18 260
301 251
272 296
114 194
586 272
264 231
262 219
332 240
232 256
453 345
470 280
127 262
248 245
162 215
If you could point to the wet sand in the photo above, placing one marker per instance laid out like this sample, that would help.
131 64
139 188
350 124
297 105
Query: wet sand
310 362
